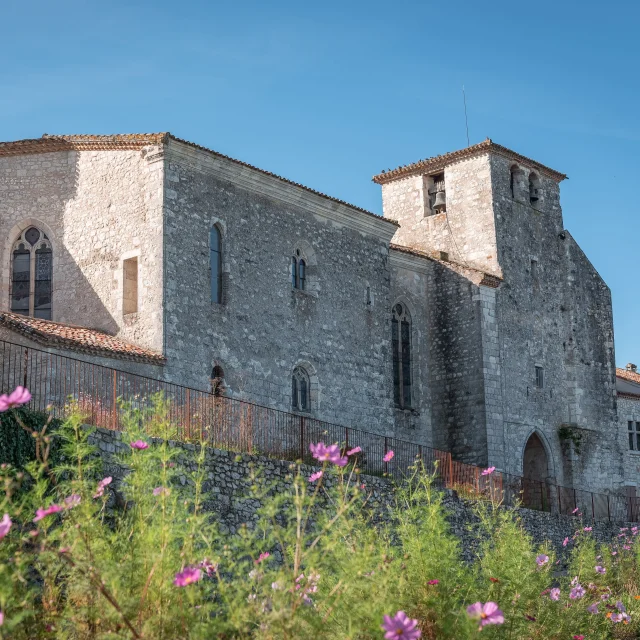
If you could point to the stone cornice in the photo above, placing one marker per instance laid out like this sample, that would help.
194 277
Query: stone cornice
268 184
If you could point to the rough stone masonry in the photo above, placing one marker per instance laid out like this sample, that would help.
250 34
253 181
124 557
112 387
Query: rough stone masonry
466 318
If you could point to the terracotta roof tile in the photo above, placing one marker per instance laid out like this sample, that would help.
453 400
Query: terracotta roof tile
437 163
628 375
475 275
66 336
49 143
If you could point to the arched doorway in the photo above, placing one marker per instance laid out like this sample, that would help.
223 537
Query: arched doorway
535 471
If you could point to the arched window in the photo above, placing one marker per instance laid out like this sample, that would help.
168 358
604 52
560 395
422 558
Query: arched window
217 380
300 390
215 264
401 345
298 271
534 188
31 274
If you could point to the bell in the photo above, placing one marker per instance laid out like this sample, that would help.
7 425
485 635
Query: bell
440 203
533 194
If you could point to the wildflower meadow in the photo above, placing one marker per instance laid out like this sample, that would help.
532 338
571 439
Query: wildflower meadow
77 563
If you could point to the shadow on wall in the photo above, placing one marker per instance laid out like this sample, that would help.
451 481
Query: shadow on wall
46 198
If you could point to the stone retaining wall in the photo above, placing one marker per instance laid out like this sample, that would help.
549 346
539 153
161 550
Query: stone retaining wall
230 475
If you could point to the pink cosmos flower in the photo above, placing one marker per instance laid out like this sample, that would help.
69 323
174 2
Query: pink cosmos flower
587 528
600 569
388 457
315 476
542 559
72 501
626 547
16 398
208 567
593 608
574 581
187 576
352 452
400 627
161 491
565 542
488 472
616 617
262 556
554 594
575 510
487 613
433 582
577 592
139 444
1 618
101 486
5 525
578 637
43 513
329 453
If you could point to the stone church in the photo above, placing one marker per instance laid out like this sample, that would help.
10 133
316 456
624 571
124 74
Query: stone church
466 318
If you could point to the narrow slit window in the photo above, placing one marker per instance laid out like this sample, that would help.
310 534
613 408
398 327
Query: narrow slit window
130 286
401 346
539 377
215 264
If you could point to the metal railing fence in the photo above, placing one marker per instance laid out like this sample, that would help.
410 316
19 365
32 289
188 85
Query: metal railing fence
101 392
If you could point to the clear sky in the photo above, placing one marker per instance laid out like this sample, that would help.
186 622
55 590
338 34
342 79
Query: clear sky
329 93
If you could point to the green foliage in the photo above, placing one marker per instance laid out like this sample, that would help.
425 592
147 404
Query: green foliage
312 565
569 433
17 445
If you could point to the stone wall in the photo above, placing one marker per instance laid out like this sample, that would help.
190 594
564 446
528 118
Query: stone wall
629 411
97 208
554 311
466 232
229 476
265 327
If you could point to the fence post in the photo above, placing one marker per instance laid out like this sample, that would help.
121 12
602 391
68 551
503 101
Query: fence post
608 509
386 464
26 363
301 437
559 499
593 509
450 469
346 439
114 418
188 407
575 501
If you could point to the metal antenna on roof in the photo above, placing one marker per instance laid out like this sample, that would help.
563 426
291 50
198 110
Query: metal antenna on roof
466 120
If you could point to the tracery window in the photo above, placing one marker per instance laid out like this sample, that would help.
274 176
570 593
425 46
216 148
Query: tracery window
215 264
300 400
298 271
31 274
401 345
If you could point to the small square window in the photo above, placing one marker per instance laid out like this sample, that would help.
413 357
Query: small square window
539 377
634 435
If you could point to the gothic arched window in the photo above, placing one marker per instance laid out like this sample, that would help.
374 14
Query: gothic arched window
401 345
300 390
31 274
298 271
215 264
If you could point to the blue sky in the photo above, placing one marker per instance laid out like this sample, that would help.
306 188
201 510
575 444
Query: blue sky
330 93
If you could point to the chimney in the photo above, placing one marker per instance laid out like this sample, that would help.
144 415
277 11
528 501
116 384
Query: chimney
632 367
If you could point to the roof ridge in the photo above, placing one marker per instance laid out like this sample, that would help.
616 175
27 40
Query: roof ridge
82 142
440 161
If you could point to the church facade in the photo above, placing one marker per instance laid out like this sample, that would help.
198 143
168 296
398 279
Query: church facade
466 318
